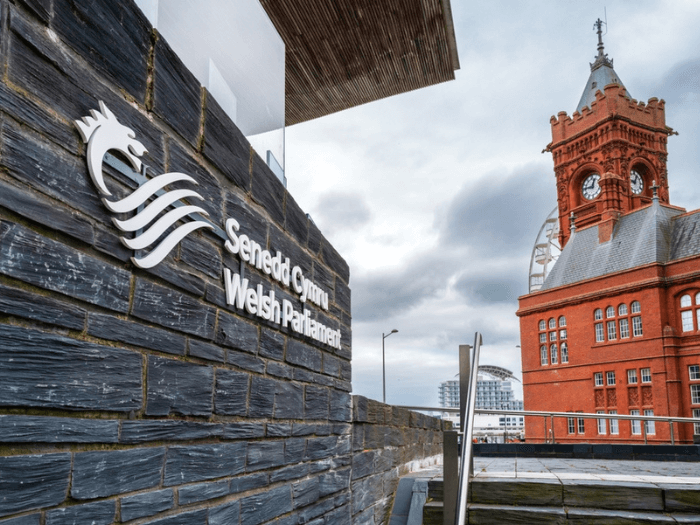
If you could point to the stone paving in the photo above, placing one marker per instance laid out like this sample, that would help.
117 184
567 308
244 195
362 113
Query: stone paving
589 469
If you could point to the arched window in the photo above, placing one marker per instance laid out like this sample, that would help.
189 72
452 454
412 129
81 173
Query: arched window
564 353
598 314
685 301
543 354
622 309
610 311
553 354
552 323
690 318
636 307
562 321
543 325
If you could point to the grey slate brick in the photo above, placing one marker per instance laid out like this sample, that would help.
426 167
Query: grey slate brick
49 370
146 504
175 386
264 455
41 429
186 464
266 505
143 431
115 329
231 394
202 492
33 482
105 473
100 513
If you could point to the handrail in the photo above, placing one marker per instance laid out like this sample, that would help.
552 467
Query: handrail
468 432
582 415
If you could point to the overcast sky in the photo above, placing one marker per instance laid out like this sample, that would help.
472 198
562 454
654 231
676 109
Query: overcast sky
435 197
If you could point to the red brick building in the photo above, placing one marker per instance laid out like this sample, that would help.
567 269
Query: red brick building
615 328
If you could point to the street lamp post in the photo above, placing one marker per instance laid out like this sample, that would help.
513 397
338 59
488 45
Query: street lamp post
384 365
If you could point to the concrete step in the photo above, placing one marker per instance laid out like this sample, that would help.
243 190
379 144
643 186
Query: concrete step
495 500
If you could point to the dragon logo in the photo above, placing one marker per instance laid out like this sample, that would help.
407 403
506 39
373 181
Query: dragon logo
103 132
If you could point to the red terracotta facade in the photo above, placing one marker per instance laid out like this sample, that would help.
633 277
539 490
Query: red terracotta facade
620 340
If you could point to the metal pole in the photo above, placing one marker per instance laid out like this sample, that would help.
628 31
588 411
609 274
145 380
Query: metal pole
450 475
383 372
644 431
467 436
464 375
545 429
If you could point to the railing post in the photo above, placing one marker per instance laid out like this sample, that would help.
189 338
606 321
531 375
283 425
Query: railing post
644 431
551 421
545 429
464 375
673 438
450 476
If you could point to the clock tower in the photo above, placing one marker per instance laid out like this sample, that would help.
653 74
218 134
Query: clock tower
608 154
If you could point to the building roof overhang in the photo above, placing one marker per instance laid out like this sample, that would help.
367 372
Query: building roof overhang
349 52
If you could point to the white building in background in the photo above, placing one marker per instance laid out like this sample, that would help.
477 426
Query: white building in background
493 391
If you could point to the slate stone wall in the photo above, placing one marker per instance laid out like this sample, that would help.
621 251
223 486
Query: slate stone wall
131 395
388 442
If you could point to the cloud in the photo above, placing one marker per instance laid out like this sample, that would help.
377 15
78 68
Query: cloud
500 213
339 211
492 288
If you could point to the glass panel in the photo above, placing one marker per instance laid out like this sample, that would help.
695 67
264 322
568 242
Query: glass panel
601 423
696 413
636 427
609 312
581 425
636 307
694 371
552 323
650 425
622 309
614 429
553 354
562 321
572 425
564 353
687 320
695 394
543 337
632 377
612 333
598 314
637 326
646 375
610 377
552 336
543 355
685 301
624 328
562 334
599 333
543 325
598 378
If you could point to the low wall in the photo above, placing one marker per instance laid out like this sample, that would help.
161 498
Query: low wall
387 443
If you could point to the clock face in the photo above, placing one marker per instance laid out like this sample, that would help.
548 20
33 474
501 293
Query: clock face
636 182
591 188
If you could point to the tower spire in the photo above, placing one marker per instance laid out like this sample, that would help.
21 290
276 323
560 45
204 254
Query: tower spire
602 58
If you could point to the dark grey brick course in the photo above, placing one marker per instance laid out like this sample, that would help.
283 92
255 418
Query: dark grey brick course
48 370
146 504
249 482
143 431
206 351
105 473
100 513
40 429
175 386
33 482
22 303
114 329
203 462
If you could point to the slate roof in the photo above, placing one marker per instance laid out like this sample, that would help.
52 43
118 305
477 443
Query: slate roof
653 234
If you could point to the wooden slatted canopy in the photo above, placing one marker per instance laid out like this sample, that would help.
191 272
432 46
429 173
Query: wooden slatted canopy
343 53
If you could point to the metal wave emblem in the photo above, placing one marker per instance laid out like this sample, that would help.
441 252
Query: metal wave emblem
103 132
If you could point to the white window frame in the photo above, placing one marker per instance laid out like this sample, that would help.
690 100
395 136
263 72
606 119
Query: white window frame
552 323
686 301
612 330
632 376
696 413
543 355
598 379
614 427
554 354
624 328
637 326
694 372
599 333
687 321
564 351
572 425
562 334
562 321
610 378
634 423
649 426
542 325
646 375
543 337
609 312
622 309
602 427
581 425
695 394
598 314
553 336
635 307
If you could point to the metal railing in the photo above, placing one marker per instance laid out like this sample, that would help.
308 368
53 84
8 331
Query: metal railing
455 501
